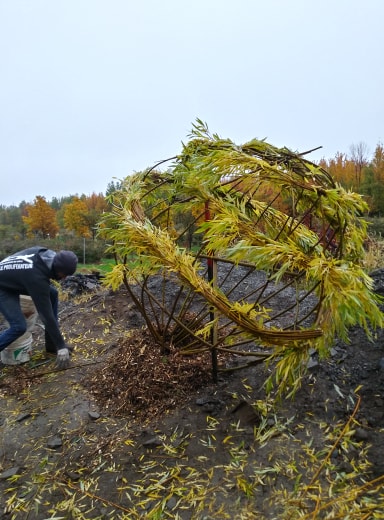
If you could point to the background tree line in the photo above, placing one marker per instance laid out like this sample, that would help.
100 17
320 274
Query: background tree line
66 223
70 222
363 173
360 173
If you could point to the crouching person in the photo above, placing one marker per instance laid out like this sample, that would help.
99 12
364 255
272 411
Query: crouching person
30 272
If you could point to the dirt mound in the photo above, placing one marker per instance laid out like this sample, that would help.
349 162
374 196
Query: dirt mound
158 381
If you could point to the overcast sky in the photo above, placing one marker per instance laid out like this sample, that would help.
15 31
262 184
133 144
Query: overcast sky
93 90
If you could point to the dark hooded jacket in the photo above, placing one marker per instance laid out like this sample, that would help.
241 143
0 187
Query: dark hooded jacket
30 272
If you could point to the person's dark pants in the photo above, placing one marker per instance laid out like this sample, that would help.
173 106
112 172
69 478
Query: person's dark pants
11 310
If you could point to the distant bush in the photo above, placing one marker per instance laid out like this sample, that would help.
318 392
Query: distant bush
376 226
9 246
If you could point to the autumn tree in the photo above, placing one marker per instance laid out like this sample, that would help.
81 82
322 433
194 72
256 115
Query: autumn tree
75 217
40 219
359 157
341 168
96 206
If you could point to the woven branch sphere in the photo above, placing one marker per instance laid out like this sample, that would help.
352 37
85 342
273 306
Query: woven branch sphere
251 241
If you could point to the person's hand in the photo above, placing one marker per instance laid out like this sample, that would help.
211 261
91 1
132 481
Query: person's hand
62 358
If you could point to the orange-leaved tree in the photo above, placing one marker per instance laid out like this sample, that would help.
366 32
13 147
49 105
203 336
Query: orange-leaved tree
82 214
40 219
342 170
96 205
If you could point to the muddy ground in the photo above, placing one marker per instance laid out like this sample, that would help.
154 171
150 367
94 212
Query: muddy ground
128 432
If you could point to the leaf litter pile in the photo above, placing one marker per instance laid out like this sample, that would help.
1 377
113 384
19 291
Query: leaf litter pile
143 382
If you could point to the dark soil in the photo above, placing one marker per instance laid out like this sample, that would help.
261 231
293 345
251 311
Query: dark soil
129 431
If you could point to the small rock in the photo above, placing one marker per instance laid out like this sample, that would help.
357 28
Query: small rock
172 503
312 363
361 434
94 415
335 455
55 443
153 442
10 473
201 401
23 416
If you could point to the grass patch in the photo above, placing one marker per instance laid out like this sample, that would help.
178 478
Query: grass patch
103 267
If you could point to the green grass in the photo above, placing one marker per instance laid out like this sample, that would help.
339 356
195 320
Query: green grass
104 266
